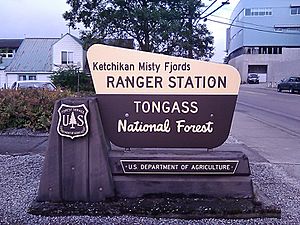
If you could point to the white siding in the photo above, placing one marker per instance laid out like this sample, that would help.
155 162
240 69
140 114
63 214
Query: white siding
67 43
11 78
2 78
43 77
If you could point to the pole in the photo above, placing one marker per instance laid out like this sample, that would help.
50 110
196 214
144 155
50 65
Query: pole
77 70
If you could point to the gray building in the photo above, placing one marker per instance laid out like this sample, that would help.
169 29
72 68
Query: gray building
264 38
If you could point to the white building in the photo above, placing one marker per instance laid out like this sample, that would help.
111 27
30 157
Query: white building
68 51
38 58
8 49
264 38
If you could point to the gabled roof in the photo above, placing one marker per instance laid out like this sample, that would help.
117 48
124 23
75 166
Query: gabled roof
75 38
10 43
4 62
34 55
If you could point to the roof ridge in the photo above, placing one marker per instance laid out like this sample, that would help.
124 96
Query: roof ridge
42 38
11 38
78 40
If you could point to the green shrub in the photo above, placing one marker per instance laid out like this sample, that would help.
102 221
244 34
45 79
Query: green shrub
67 78
28 108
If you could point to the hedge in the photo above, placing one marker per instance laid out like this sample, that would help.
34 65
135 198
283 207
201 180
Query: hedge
28 108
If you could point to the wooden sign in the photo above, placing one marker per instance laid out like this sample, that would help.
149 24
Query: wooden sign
154 100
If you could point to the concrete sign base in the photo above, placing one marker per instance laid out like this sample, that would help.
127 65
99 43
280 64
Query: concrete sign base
209 174
76 169
86 169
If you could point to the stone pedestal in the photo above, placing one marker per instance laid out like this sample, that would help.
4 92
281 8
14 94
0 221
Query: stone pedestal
208 174
77 169
84 168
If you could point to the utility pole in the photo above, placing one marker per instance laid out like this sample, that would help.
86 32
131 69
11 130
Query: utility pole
191 30
192 23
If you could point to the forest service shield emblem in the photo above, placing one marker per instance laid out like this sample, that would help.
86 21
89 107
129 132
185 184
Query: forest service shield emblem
72 121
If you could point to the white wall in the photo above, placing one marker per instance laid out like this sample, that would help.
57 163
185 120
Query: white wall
12 77
67 43
2 78
43 77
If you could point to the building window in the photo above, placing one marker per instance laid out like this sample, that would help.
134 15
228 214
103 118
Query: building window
6 52
32 77
263 50
295 10
260 69
27 77
252 50
270 50
258 12
66 57
295 28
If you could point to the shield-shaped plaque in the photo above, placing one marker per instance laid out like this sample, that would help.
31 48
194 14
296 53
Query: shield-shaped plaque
72 121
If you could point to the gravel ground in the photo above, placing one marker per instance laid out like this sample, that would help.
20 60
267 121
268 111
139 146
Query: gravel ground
19 179
23 132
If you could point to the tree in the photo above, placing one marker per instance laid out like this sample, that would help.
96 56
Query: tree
164 26
72 121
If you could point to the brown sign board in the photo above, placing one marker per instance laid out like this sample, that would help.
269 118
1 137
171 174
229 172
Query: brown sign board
154 100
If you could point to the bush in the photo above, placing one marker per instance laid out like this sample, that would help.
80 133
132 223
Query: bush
28 108
67 78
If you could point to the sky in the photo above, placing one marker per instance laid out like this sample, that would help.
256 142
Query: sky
43 18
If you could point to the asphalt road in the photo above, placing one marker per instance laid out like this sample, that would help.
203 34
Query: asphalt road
270 127
278 109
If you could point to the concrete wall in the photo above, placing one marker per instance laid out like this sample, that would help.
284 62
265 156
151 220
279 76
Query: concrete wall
279 66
